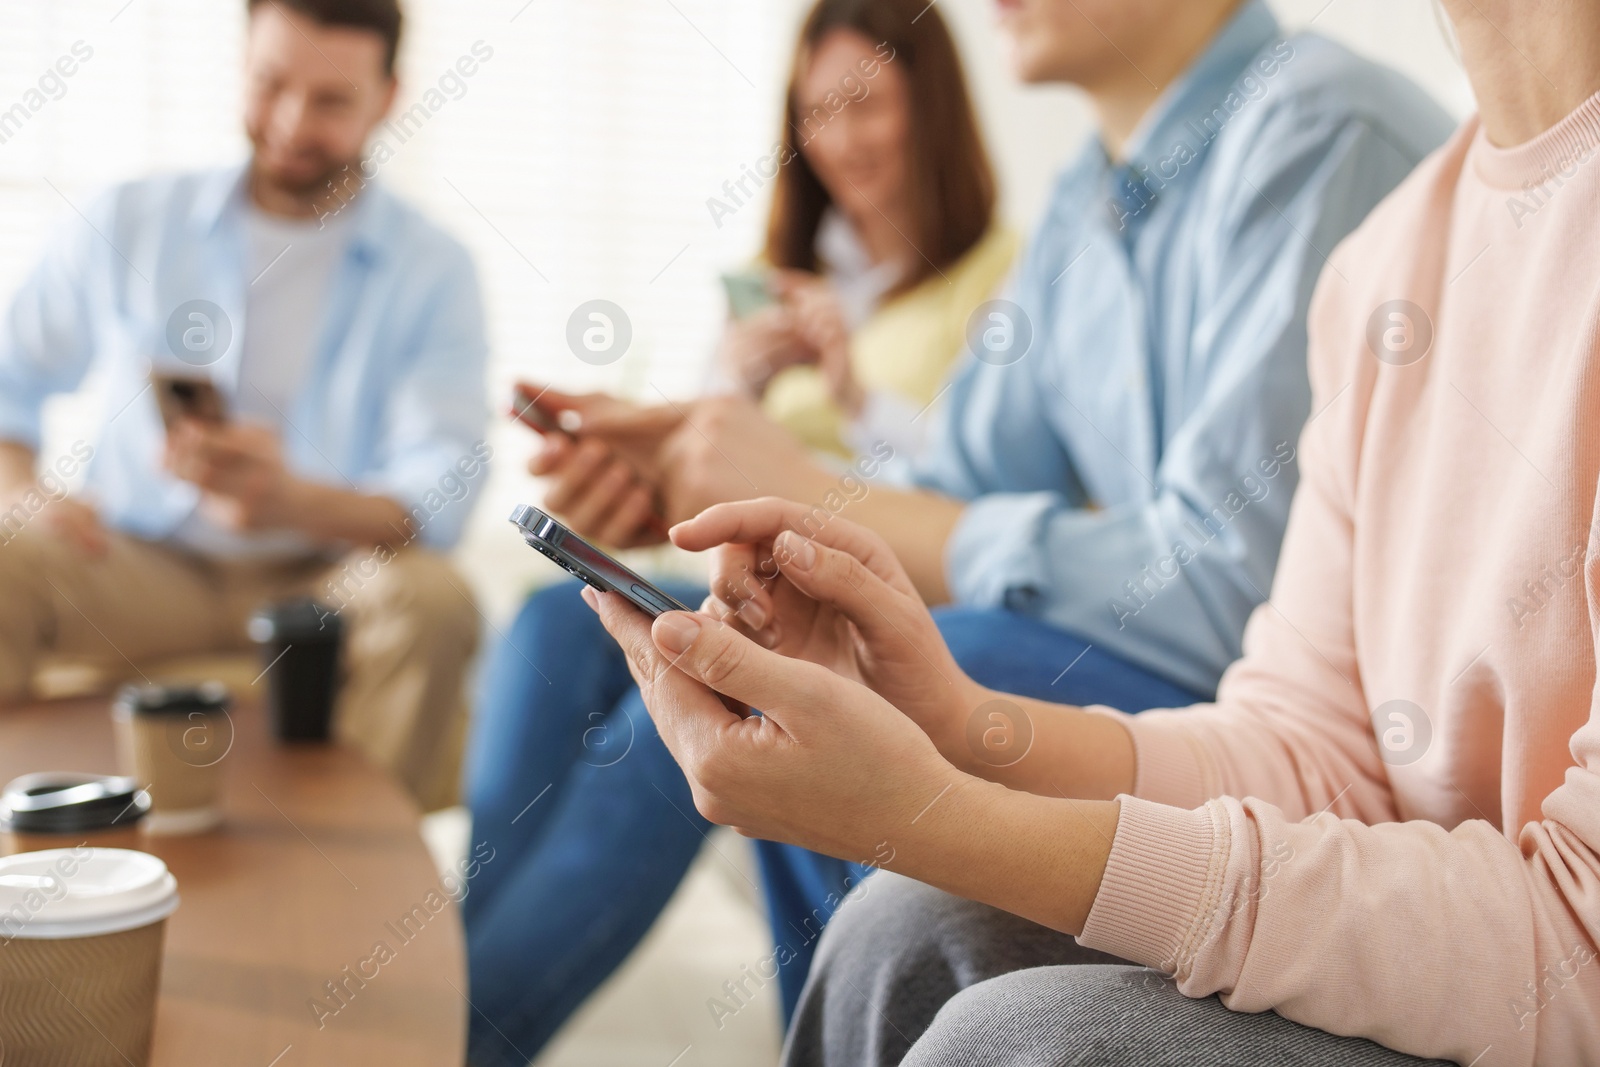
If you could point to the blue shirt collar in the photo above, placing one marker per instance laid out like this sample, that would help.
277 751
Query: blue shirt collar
1174 131
222 194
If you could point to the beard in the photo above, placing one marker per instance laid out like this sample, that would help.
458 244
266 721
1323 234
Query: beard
318 176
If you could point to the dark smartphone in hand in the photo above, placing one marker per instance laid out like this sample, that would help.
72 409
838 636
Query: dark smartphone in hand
185 396
526 410
582 560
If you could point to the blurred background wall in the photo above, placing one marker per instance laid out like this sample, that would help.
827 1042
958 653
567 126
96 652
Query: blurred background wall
576 162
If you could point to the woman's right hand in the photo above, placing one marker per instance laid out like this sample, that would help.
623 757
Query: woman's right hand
754 349
834 595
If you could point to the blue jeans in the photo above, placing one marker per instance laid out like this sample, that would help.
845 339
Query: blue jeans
592 826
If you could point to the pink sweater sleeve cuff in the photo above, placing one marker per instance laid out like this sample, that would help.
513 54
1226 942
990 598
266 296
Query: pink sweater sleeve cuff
1170 767
1164 875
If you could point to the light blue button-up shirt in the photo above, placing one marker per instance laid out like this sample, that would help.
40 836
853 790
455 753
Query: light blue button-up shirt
393 401
1130 474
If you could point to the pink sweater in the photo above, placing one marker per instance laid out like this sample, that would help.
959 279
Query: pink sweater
1413 725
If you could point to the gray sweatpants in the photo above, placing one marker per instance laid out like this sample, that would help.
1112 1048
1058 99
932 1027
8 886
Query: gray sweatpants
909 974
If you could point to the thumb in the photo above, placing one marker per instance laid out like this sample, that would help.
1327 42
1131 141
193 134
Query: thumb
726 661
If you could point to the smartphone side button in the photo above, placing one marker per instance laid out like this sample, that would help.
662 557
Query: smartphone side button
649 597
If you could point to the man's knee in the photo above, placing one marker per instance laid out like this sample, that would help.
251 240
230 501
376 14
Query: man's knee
28 557
25 554
16 659
411 595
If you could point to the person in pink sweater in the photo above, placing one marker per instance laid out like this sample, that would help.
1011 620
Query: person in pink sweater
1382 841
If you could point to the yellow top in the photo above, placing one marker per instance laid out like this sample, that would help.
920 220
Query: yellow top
907 346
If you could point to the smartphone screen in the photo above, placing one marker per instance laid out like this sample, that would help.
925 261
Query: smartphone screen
582 560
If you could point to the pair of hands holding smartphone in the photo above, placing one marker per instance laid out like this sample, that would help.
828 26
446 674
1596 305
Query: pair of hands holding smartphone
863 749
238 465
858 750
863 708
786 318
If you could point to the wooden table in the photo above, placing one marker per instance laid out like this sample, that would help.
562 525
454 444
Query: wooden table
318 863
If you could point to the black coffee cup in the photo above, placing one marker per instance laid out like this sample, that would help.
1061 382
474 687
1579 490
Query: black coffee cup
299 642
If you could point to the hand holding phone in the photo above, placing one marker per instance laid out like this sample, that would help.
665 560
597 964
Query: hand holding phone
748 292
600 456
187 396
526 409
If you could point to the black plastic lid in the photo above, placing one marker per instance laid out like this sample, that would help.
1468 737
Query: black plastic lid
303 621
206 698
66 802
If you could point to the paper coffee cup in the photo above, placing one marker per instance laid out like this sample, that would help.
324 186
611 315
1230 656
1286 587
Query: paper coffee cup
80 956
57 809
172 742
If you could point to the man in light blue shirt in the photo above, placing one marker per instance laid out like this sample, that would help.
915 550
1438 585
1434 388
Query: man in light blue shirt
1127 478
342 334
1108 479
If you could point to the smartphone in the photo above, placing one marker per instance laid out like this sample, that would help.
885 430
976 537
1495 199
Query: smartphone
747 292
187 396
526 410
582 560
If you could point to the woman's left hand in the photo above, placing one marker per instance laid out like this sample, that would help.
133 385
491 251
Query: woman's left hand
828 765
818 319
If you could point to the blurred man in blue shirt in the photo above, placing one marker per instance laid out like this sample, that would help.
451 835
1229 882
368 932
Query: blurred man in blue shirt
344 336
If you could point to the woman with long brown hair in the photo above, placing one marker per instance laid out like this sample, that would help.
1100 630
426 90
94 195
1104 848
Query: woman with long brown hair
881 238
881 242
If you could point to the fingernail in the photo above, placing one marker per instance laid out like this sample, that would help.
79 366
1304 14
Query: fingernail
590 597
753 613
802 553
570 421
676 630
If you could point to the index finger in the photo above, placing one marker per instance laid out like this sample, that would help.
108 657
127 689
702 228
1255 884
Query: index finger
761 521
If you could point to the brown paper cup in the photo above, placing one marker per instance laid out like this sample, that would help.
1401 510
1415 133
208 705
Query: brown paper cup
80 1002
81 934
185 787
12 842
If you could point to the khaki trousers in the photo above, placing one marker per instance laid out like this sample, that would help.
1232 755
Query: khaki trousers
411 628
